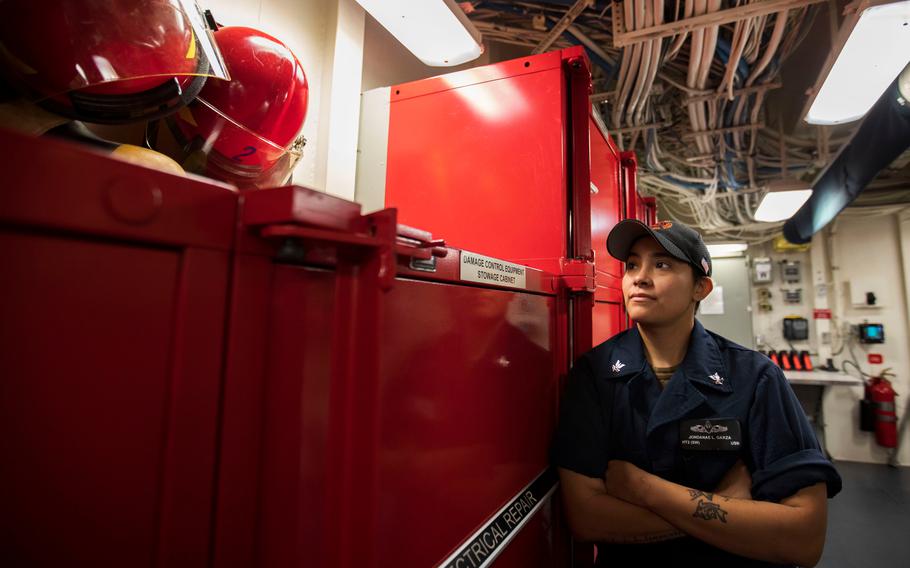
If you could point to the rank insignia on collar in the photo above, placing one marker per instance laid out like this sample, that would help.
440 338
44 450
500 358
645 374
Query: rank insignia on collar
718 380
618 365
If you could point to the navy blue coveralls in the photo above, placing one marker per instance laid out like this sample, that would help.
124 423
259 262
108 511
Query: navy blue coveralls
614 408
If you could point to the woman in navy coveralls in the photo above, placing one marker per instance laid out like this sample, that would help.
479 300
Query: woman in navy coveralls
715 464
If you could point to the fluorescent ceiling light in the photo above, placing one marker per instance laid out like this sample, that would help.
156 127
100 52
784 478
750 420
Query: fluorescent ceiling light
436 31
781 205
722 250
877 49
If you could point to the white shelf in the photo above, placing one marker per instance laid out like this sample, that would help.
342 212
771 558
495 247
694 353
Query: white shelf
821 378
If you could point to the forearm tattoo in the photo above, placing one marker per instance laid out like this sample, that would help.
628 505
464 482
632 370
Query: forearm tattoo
695 494
706 508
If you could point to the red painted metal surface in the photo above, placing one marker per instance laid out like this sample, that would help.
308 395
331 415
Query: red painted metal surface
68 188
581 172
606 206
433 457
609 319
479 156
293 204
634 208
358 416
111 317
578 214
460 164
441 172
648 212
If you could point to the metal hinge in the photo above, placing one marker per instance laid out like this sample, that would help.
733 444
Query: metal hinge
577 275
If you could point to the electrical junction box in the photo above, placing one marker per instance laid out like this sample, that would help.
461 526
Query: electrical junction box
790 270
871 333
796 328
792 296
762 270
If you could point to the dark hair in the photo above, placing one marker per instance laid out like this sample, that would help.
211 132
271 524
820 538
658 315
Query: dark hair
697 274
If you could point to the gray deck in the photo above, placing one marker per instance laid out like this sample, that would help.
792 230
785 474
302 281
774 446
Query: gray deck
869 521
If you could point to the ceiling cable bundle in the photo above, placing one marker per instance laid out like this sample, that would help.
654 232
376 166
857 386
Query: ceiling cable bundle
691 105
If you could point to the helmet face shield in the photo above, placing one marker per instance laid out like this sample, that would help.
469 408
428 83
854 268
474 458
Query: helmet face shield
217 146
51 49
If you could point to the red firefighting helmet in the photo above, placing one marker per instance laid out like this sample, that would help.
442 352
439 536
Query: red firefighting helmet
105 61
246 128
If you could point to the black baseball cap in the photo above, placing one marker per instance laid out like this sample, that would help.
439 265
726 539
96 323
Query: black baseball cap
679 240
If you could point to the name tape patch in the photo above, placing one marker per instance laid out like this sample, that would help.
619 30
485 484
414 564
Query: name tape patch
487 270
491 539
710 434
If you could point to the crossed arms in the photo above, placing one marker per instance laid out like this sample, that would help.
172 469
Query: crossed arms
631 505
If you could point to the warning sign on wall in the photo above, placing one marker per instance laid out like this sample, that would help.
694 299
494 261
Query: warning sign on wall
821 314
487 270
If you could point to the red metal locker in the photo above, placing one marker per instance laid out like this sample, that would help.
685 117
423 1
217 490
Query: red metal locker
481 157
380 409
606 203
112 312
511 159
607 209
496 157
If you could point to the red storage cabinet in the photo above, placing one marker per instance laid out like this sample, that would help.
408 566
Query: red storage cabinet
112 310
481 157
309 386
380 409
512 159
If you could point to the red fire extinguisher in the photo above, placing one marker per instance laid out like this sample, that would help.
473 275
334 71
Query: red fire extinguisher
882 396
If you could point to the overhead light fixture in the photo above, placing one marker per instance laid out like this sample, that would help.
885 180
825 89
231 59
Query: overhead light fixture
724 250
875 42
783 199
436 31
